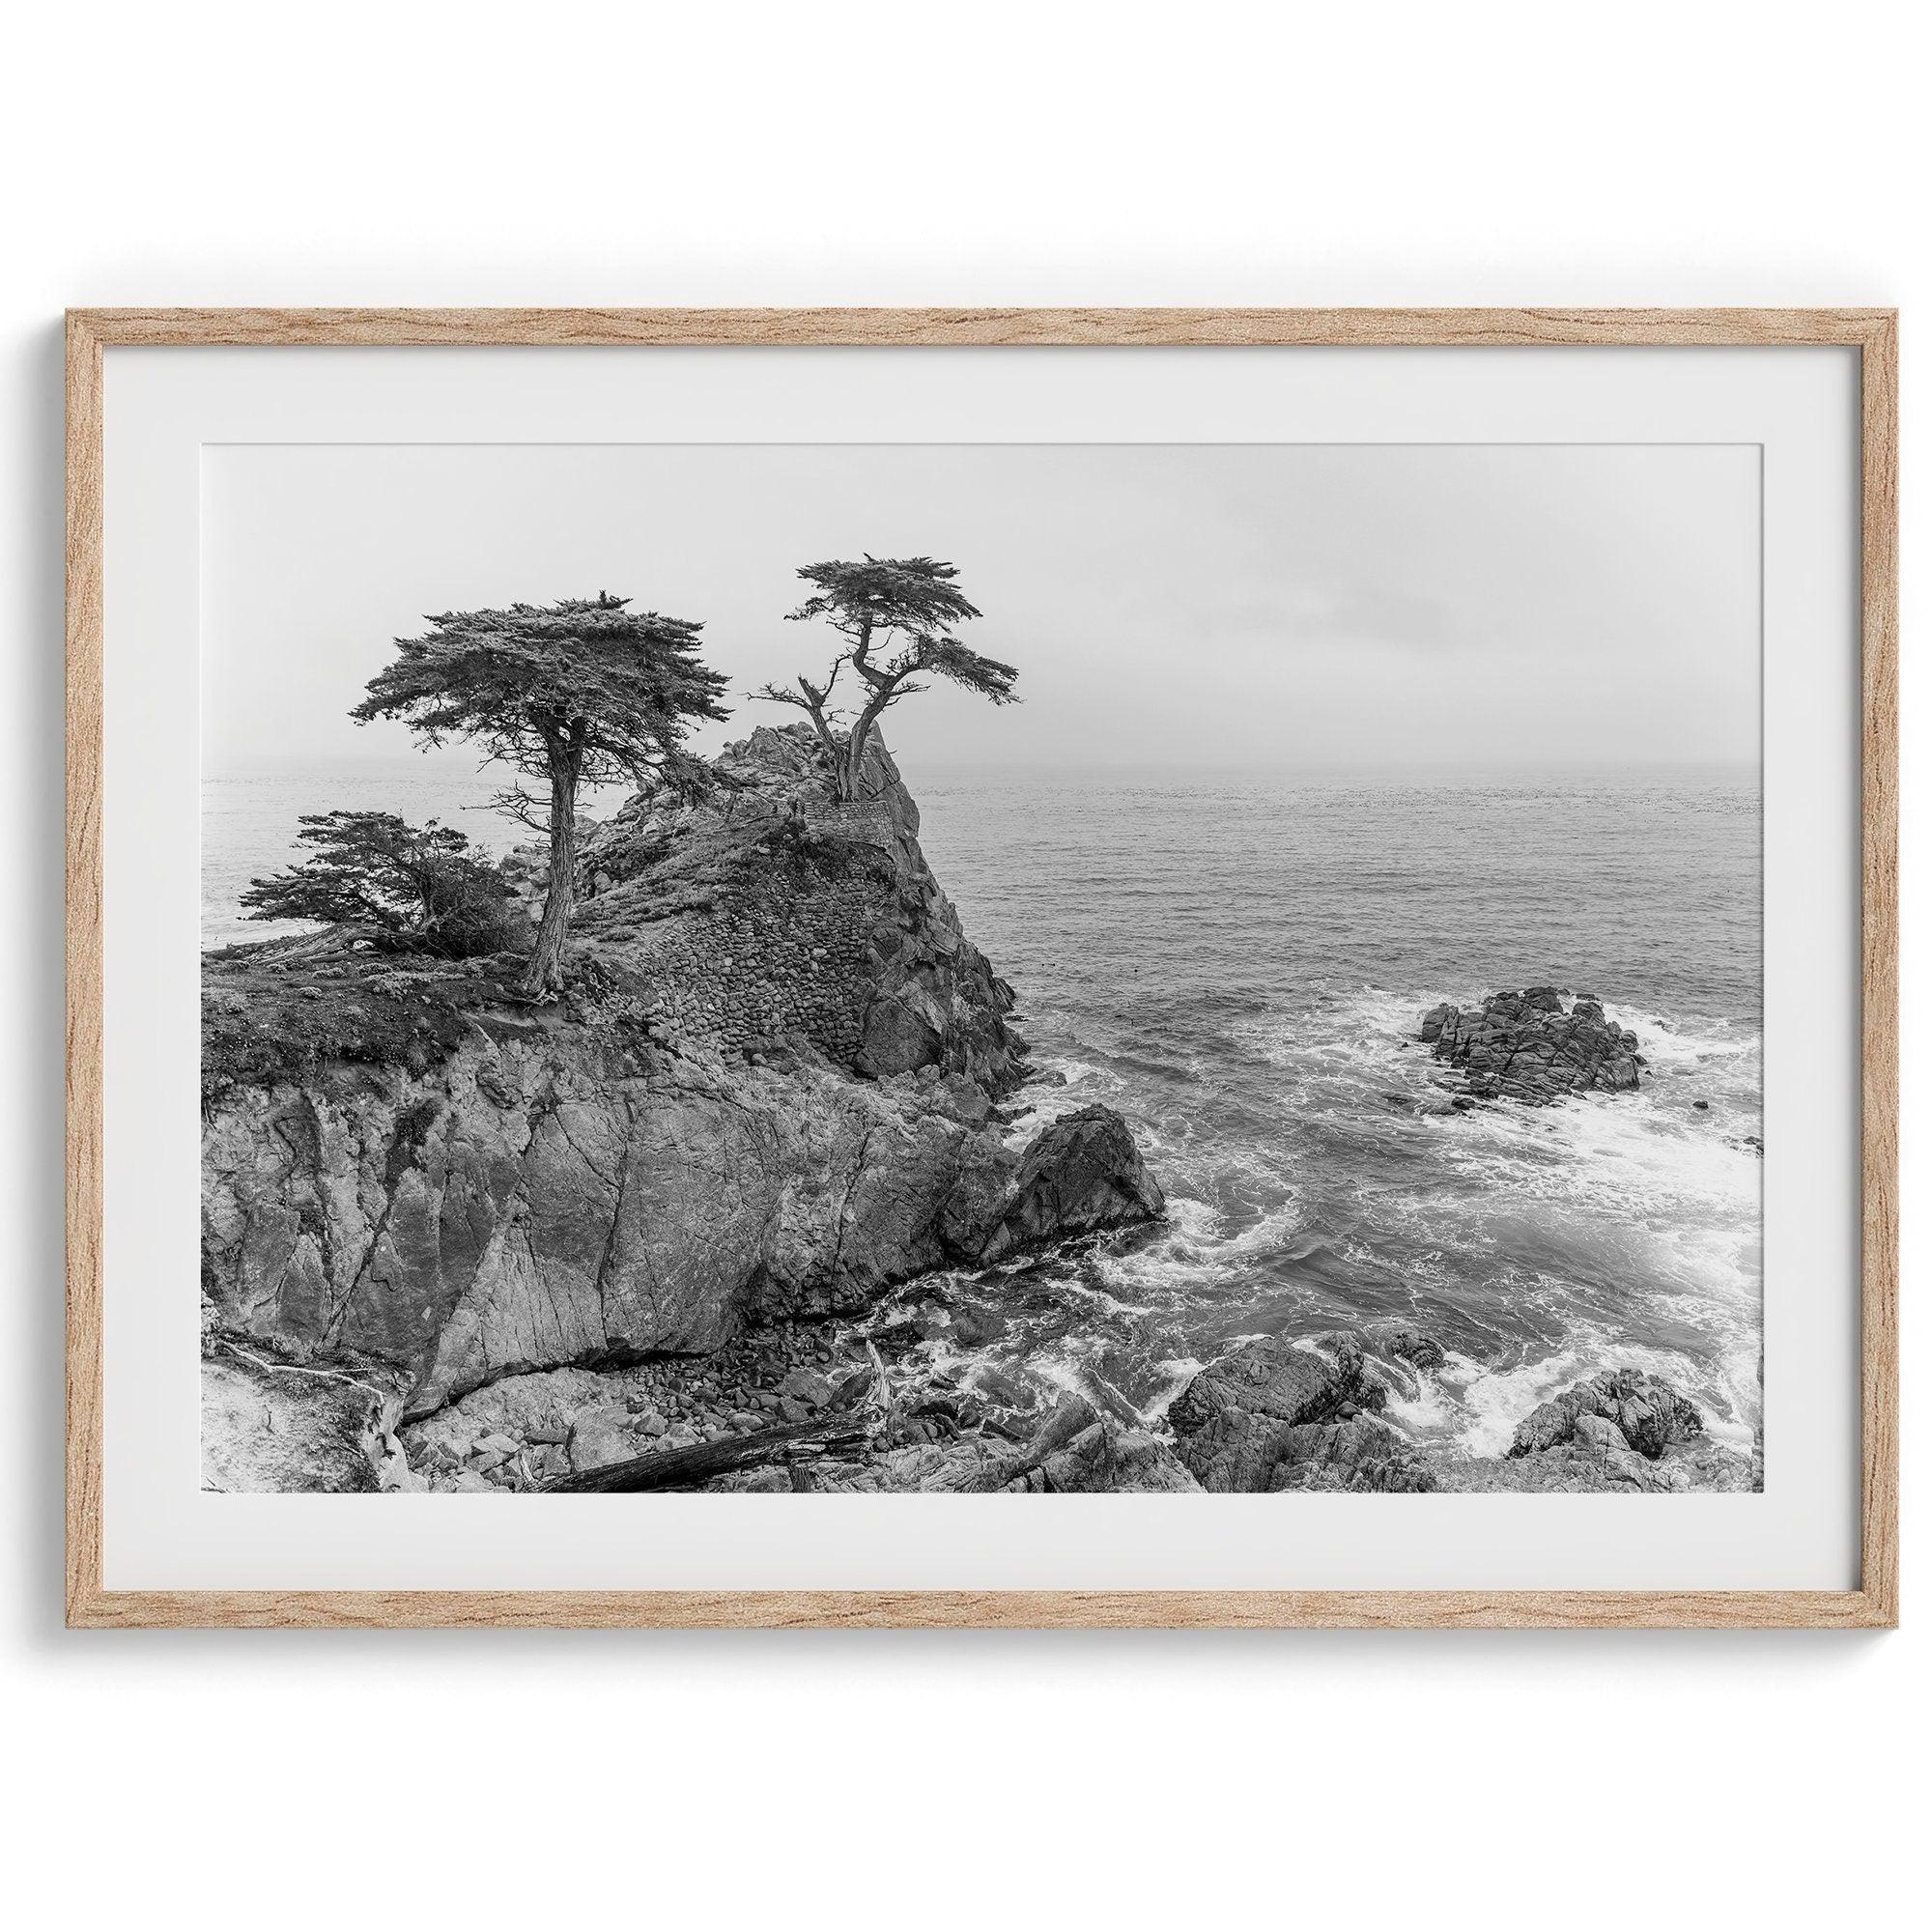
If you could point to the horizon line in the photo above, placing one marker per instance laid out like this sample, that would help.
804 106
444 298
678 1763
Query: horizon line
1273 767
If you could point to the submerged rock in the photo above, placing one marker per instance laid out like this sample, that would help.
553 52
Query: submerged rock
1530 1046
1406 1343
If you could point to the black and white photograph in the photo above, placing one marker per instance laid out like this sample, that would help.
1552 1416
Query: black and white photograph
961 967
982 969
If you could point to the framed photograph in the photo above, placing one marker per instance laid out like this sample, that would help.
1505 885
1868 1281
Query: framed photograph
989 967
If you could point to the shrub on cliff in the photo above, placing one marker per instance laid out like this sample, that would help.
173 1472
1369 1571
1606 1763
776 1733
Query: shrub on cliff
582 692
404 888
894 616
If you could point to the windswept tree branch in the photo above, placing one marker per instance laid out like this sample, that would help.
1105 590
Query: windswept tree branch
523 807
909 606
810 698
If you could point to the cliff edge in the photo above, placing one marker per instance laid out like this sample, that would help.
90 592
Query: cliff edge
772 1090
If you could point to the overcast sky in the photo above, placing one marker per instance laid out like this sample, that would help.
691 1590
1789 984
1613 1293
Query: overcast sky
1298 606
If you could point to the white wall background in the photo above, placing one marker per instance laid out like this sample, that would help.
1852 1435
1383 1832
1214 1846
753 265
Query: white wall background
202 154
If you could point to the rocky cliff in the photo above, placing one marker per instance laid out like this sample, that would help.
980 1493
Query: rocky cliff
773 1088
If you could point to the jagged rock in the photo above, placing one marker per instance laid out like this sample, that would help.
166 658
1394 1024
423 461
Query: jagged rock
1107 1458
1645 1414
1405 1343
1528 1047
900 1036
1354 1454
1080 1173
1622 1430
1579 1467
1233 1424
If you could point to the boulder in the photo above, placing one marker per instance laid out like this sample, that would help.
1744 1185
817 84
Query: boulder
899 1036
1233 1424
1624 1430
1358 1453
1621 1407
1406 1343
808 1388
1106 1458
1530 1046
1079 1173
601 1436
1578 1468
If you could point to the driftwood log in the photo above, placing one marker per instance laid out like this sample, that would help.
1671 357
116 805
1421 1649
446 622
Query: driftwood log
698 1462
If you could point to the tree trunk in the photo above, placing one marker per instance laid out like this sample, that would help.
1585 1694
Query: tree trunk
686 1468
814 706
545 973
854 768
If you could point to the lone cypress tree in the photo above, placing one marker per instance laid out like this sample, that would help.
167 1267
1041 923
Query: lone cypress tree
894 616
584 691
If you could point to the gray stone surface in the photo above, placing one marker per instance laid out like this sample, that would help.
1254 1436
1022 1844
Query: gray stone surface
1530 1046
1234 1424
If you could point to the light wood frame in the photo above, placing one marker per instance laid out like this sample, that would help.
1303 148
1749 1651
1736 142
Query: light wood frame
1873 333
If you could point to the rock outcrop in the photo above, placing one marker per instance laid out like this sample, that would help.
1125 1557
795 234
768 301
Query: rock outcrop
1647 1414
769 914
1277 1414
768 1096
1080 1174
1622 1430
1530 1046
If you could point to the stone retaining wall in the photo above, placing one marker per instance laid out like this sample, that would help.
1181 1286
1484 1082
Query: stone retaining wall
782 952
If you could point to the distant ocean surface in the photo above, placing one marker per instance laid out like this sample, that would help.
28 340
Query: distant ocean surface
1238 964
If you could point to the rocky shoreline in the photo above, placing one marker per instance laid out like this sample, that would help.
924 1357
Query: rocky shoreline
657 1234
1275 1415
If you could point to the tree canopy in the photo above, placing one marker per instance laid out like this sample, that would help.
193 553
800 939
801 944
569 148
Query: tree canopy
582 691
401 887
588 678
896 618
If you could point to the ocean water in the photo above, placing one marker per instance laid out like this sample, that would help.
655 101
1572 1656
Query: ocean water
1236 963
